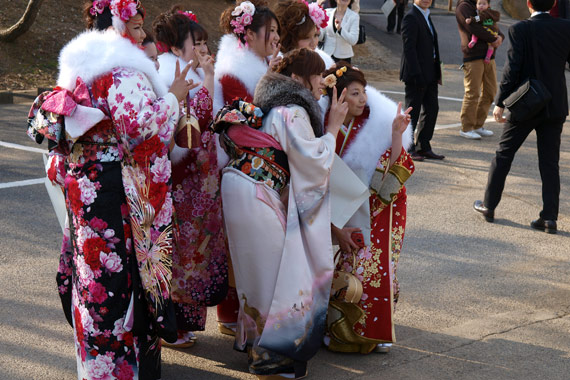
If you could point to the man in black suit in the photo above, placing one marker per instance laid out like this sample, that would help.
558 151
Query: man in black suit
420 70
553 45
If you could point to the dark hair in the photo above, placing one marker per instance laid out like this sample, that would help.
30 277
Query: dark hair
302 62
542 5
333 3
172 29
296 24
262 17
149 38
343 81
104 20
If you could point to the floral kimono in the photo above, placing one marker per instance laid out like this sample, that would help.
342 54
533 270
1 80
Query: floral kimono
365 146
109 151
199 260
277 217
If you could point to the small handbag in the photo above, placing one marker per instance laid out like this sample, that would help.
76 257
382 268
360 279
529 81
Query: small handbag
530 98
361 35
345 285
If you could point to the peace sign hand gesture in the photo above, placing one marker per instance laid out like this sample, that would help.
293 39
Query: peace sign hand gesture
337 112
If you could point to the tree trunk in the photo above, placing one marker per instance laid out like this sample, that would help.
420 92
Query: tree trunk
22 26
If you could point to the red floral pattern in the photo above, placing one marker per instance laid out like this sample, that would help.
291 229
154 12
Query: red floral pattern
96 263
199 275
376 265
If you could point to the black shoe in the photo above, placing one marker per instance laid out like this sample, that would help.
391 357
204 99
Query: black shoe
488 214
430 154
548 226
389 31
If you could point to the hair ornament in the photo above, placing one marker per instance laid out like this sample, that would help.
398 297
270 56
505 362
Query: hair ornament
124 9
340 71
98 7
330 80
162 47
302 21
317 14
244 13
189 14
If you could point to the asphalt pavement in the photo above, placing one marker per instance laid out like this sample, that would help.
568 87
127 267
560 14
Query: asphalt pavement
478 300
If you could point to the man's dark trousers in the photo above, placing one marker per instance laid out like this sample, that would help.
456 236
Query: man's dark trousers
548 132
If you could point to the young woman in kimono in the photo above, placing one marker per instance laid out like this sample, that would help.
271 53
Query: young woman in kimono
373 142
199 266
109 124
277 218
301 24
245 53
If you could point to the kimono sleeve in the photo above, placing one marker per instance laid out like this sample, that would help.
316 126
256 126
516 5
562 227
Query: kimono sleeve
310 158
387 185
138 113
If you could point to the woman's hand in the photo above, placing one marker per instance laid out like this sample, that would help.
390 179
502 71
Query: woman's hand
180 86
344 237
399 125
206 62
401 121
337 112
275 58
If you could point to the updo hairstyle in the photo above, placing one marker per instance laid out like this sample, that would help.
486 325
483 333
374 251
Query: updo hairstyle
301 62
172 29
343 81
296 23
262 17
104 20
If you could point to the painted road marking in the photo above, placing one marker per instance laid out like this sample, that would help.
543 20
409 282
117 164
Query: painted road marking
27 182
22 147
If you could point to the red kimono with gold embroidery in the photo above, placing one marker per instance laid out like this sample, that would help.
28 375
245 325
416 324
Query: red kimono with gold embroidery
365 145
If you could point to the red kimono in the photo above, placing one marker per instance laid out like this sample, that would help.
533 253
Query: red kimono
199 266
370 321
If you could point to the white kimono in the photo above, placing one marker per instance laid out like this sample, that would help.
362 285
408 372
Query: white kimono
281 250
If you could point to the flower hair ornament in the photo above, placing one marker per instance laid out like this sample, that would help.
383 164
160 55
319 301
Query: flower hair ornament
244 13
317 14
189 14
330 80
122 11
99 6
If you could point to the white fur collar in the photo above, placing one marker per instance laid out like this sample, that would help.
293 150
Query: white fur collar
238 62
375 138
94 53
168 67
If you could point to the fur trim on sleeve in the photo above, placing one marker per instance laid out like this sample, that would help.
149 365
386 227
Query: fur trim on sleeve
94 53
375 137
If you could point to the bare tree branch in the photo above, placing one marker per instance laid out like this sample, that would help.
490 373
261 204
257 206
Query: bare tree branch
22 26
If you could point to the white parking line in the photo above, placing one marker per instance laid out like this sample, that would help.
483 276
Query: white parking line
439 97
444 126
455 125
27 182
22 147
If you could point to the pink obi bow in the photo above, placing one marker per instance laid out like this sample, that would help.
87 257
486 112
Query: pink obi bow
63 102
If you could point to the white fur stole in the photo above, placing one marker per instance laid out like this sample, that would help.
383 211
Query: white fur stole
375 138
94 53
